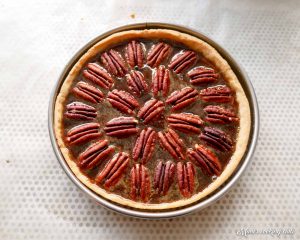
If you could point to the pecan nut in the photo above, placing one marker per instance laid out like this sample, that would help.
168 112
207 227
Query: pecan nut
182 98
217 139
171 142
139 183
217 114
151 110
114 63
186 178
158 53
144 145
123 101
163 177
183 61
88 92
83 133
95 154
205 159
98 75
136 82
161 81
219 94
80 111
121 127
201 75
185 122
113 170
134 54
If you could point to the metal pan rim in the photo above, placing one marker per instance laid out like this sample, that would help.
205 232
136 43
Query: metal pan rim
216 195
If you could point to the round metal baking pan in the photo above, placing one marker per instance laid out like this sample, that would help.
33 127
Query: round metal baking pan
248 88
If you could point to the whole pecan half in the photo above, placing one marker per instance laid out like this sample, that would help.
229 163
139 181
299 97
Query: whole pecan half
161 81
158 53
219 94
144 145
95 154
217 139
98 75
114 63
205 159
134 54
123 101
164 175
183 61
151 110
171 142
88 92
217 114
186 178
83 133
182 98
185 122
113 170
139 183
136 82
80 111
201 75
121 127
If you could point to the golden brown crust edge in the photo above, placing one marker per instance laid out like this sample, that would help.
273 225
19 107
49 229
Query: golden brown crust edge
193 43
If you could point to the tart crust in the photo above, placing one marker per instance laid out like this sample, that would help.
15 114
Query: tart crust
193 43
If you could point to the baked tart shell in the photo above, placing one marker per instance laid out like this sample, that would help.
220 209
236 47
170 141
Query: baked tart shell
193 43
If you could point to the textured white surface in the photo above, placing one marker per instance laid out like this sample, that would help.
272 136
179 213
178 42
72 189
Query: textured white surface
38 201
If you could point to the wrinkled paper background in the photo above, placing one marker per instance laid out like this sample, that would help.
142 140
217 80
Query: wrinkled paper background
37 39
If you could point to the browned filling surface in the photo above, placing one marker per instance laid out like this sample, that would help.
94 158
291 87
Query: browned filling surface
170 145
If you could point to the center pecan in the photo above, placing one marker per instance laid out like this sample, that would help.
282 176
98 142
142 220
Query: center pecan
152 109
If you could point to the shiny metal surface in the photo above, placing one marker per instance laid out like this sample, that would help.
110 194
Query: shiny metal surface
248 88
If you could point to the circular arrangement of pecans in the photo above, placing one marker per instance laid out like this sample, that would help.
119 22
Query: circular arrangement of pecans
180 168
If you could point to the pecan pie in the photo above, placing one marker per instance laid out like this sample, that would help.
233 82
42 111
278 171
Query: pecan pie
152 119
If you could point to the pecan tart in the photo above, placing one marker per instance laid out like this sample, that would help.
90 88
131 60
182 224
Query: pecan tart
152 119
